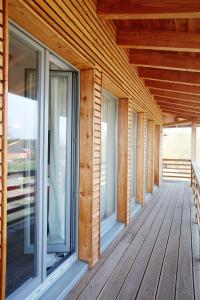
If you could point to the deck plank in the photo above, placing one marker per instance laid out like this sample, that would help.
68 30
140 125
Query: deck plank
106 266
101 278
184 284
132 283
148 287
155 257
167 283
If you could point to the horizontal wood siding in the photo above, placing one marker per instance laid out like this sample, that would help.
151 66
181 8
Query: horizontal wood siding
124 163
90 165
92 38
140 165
3 140
97 165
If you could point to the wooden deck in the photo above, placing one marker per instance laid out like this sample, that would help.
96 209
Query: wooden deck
155 257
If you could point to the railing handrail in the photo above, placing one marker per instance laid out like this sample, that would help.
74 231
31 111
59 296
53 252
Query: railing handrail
177 159
196 170
176 169
195 183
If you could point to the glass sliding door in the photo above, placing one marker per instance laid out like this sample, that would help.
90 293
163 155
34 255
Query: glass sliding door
134 159
59 161
108 162
42 165
23 161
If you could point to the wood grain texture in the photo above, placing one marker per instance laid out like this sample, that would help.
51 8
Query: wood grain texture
174 87
159 40
75 28
140 9
122 203
157 155
153 252
163 60
90 160
175 95
151 139
170 76
140 166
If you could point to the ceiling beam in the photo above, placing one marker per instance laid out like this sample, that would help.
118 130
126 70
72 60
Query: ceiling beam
142 9
183 105
169 75
177 102
179 112
171 86
159 40
175 95
162 60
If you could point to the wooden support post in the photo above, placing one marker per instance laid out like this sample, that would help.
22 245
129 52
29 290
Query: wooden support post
150 168
123 162
157 156
140 173
90 162
194 141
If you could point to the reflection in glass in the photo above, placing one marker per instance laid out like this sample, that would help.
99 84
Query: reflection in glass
58 231
22 164
108 157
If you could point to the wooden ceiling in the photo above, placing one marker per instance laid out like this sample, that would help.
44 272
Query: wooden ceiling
163 38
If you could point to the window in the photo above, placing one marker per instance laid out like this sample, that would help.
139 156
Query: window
42 164
108 162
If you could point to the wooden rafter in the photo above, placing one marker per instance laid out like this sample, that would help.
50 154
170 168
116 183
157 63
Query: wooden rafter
159 40
170 76
171 86
181 106
179 114
169 101
175 95
163 60
180 111
154 9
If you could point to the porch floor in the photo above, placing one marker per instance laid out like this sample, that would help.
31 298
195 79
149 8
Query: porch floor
155 257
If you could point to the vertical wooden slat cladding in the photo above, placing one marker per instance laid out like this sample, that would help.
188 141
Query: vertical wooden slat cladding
158 155
150 169
90 161
3 139
77 23
140 173
124 161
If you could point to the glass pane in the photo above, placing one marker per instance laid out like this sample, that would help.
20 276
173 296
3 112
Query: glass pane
108 159
22 164
58 231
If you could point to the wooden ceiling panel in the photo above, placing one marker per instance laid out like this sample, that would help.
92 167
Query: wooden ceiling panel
175 95
163 60
142 9
171 101
159 40
170 76
171 86
163 38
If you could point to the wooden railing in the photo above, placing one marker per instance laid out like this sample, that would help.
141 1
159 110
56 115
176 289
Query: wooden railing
195 183
176 169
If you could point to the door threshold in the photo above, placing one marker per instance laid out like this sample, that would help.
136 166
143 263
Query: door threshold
110 235
63 283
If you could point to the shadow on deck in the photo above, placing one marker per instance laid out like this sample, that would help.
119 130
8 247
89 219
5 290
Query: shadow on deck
155 257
